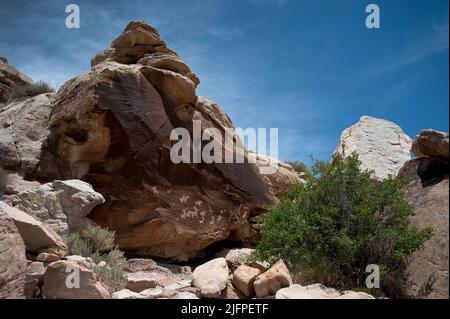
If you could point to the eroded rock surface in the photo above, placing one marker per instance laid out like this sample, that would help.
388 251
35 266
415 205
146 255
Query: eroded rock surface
426 275
10 77
111 128
12 259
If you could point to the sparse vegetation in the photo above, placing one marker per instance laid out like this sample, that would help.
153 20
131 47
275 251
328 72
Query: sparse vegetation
338 222
29 90
97 243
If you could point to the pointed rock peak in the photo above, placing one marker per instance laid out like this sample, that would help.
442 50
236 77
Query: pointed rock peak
138 33
138 40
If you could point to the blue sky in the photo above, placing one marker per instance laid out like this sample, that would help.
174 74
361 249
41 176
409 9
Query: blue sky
309 67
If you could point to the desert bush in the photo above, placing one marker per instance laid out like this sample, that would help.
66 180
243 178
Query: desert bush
98 244
29 90
3 181
338 222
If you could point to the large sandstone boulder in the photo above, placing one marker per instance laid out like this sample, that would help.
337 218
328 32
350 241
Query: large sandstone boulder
426 274
318 291
37 236
243 279
211 277
381 145
12 259
269 282
111 128
431 143
10 77
62 205
58 284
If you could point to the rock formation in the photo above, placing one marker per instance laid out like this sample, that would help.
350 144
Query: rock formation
427 192
62 205
381 145
111 128
37 236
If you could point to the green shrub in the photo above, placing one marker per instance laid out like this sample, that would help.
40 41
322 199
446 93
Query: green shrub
3 181
98 244
338 222
29 90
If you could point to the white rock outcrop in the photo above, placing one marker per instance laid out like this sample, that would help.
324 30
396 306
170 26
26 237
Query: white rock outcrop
381 145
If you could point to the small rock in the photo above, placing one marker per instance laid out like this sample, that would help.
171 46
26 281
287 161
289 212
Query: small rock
140 281
185 270
48 257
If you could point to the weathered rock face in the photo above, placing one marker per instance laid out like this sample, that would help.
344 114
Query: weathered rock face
426 275
111 128
12 259
37 236
56 278
62 205
9 78
318 291
23 127
431 143
382 146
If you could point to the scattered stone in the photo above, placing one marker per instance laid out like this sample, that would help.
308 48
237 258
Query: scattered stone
318 291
